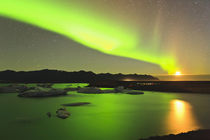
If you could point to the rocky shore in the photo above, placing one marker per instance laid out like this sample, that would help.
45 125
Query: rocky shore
46 90
192 135
42 92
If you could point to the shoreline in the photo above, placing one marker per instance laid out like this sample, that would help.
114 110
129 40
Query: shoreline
194 87
202 134
201 87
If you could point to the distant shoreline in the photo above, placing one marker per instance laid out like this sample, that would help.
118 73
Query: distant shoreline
161 86
56 76
108 80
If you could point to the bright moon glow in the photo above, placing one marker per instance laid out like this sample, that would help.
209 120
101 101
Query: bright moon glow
178 73
89 29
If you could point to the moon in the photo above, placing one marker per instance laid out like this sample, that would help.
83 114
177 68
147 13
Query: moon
178 73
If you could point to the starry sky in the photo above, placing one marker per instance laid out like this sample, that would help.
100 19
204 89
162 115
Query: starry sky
176 30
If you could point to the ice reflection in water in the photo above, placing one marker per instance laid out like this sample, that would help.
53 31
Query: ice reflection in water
181 118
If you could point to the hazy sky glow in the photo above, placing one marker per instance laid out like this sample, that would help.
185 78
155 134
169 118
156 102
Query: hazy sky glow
169 34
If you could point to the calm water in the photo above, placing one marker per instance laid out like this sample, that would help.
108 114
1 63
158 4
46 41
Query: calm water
109 117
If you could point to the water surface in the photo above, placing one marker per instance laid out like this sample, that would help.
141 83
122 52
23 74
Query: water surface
109 117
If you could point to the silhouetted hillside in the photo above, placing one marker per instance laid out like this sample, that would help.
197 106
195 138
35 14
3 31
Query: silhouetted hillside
55 76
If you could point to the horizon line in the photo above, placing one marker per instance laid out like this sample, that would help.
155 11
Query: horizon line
106 72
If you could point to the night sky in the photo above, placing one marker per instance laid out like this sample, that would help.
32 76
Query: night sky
138 36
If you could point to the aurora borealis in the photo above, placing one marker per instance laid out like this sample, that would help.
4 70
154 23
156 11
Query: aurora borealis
147 30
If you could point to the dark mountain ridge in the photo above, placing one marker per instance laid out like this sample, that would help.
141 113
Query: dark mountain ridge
57 76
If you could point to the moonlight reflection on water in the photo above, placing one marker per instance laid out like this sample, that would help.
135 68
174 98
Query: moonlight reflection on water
181 117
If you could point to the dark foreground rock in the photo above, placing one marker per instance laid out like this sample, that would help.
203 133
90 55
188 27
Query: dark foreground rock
192 135
8 90
90 90
45 85
77 104
71 89
62 113
108 91
49 114
134 92
13 88
42 92
119 89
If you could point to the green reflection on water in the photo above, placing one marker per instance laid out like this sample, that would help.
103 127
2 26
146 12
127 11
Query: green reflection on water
110 116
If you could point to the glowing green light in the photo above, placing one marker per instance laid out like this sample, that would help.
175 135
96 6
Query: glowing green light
88 29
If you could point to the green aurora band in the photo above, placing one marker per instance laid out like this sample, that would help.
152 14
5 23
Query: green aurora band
87 28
